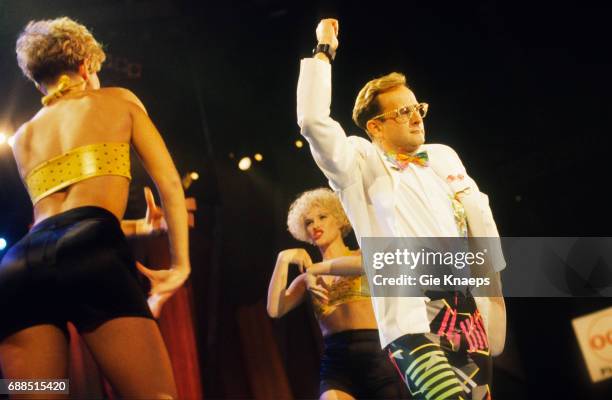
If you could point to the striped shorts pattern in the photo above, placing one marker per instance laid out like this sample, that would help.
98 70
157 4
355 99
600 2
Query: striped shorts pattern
452 362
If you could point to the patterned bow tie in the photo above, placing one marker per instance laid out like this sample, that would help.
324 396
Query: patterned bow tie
401 161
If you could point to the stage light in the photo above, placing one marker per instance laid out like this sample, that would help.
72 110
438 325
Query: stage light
245 163
3 137
11 141
189 178
2 244
299 144
258 157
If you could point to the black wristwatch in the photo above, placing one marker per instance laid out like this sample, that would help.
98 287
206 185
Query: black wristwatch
325 49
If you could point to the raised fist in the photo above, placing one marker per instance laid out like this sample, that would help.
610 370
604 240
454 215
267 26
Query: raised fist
327 32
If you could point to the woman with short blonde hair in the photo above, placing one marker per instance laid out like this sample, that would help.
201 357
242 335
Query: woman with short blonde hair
75 264
353 364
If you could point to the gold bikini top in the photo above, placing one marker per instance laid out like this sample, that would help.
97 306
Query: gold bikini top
77 165
343 289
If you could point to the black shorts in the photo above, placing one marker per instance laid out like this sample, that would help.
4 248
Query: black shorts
75 266
353 362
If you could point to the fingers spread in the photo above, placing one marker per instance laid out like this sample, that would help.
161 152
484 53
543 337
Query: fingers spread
167 286
144 270
156 303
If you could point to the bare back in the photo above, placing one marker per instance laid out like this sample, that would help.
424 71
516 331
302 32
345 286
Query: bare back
77 119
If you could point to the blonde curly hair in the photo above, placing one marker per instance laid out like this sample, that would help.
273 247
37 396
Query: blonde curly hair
47 48
366 104
320 197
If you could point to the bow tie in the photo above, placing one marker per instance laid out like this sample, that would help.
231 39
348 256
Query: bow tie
401 161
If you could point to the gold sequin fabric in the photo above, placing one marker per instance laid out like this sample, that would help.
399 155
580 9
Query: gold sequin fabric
342 290
76 165
460 217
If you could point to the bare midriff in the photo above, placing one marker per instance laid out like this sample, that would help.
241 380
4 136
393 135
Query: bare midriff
356 314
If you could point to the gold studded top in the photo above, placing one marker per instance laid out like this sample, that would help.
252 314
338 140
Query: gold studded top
76 165
343 289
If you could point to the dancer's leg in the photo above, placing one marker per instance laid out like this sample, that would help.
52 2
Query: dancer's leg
37 352
132 355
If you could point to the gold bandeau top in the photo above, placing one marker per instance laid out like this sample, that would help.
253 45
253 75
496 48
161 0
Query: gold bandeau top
76 165
343 289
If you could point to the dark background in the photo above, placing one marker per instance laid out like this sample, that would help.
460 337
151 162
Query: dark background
521 90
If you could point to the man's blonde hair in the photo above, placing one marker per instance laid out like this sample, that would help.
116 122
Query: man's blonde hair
366 104
47 48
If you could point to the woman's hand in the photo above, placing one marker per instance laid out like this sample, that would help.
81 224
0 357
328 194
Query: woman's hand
154 220
296 256
317 286
164 283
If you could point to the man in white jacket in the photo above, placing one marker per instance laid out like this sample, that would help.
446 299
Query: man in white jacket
398 186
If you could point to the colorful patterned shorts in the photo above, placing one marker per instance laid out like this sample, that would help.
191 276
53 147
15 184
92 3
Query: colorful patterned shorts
451 362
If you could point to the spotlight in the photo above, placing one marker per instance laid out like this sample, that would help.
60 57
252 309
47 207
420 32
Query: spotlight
258 157
2 244
299 144
188 179
2 137
11 141
245 163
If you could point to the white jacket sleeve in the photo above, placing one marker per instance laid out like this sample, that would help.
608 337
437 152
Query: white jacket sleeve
333 152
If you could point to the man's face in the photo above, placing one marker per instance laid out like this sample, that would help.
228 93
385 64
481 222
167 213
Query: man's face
394 136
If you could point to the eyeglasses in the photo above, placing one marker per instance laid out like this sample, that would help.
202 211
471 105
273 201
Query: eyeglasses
404 114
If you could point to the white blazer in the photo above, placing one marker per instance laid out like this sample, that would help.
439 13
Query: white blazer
367 188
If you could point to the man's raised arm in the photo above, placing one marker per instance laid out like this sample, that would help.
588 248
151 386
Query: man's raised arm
332 150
